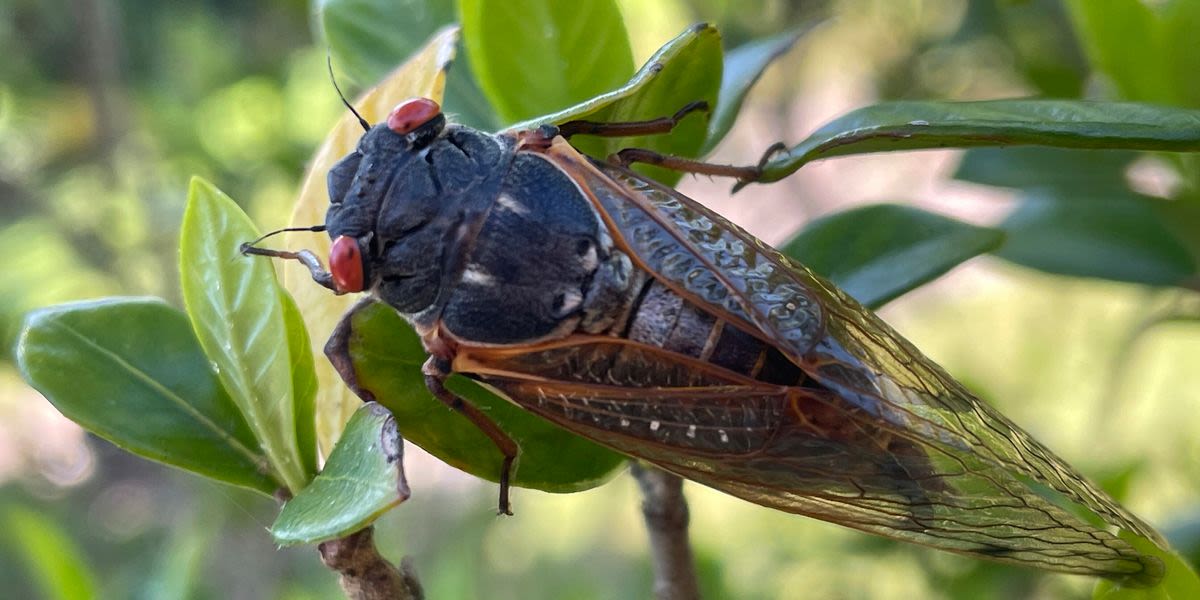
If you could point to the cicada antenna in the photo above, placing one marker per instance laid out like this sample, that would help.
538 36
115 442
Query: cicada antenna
249 245
304 257
329 63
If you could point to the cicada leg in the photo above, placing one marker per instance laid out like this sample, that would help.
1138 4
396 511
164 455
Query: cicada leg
630 128
436 371
744 174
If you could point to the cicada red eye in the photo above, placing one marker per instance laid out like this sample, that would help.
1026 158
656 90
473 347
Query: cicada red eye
411 114
345 263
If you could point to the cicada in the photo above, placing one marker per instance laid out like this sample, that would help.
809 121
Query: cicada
627 313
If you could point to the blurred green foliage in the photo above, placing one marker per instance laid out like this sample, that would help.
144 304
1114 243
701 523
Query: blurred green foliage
107 108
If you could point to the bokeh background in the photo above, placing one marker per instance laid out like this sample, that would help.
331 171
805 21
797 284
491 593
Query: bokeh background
107 107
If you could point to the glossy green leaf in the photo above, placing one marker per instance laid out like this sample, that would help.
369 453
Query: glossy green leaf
304 381
686 70
150 389
743 66
1119 237
1123 38
933 124
1179 583
235 308
1080 172
57 565
533 57
370 38
876 253
1181 49
387 357
363 478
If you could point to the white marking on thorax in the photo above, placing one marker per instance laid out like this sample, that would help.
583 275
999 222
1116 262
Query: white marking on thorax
571 300
476 275
507 202
590 259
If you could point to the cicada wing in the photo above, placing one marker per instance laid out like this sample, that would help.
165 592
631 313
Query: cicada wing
801 450
848 350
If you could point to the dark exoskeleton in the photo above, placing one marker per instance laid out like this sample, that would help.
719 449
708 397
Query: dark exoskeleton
627 313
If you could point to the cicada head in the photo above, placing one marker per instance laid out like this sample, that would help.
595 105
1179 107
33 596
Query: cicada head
396 201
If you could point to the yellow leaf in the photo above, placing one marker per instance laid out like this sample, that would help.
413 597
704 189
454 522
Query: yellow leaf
423 75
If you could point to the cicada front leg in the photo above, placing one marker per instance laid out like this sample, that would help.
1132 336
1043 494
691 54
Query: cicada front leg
436 371
743 174
631 128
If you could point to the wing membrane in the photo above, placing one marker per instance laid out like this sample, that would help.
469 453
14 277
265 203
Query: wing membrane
986 487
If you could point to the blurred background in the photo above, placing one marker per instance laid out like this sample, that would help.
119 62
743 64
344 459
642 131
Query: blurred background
107 107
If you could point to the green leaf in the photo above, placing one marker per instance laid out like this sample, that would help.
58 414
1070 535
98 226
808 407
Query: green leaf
685 70
1123 38
304 381
234 304
933 124
56 563
532 57
1181 49
363 478
1179 583
1118 237
149 388
387 357
369 38
1077 171
743 66
876 253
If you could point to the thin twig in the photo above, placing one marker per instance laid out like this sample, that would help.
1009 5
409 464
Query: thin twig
365 574
666 514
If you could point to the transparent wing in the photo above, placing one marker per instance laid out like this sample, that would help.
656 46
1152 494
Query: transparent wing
987 488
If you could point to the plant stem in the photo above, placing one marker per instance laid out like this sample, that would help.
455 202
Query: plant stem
365 574
666 514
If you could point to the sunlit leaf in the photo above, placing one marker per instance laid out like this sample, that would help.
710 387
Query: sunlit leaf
423 75
685 70
1124 39
914 125
877 253
363 478
304 381
368 38
234 304
56 563
150 389
533 57
387 357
